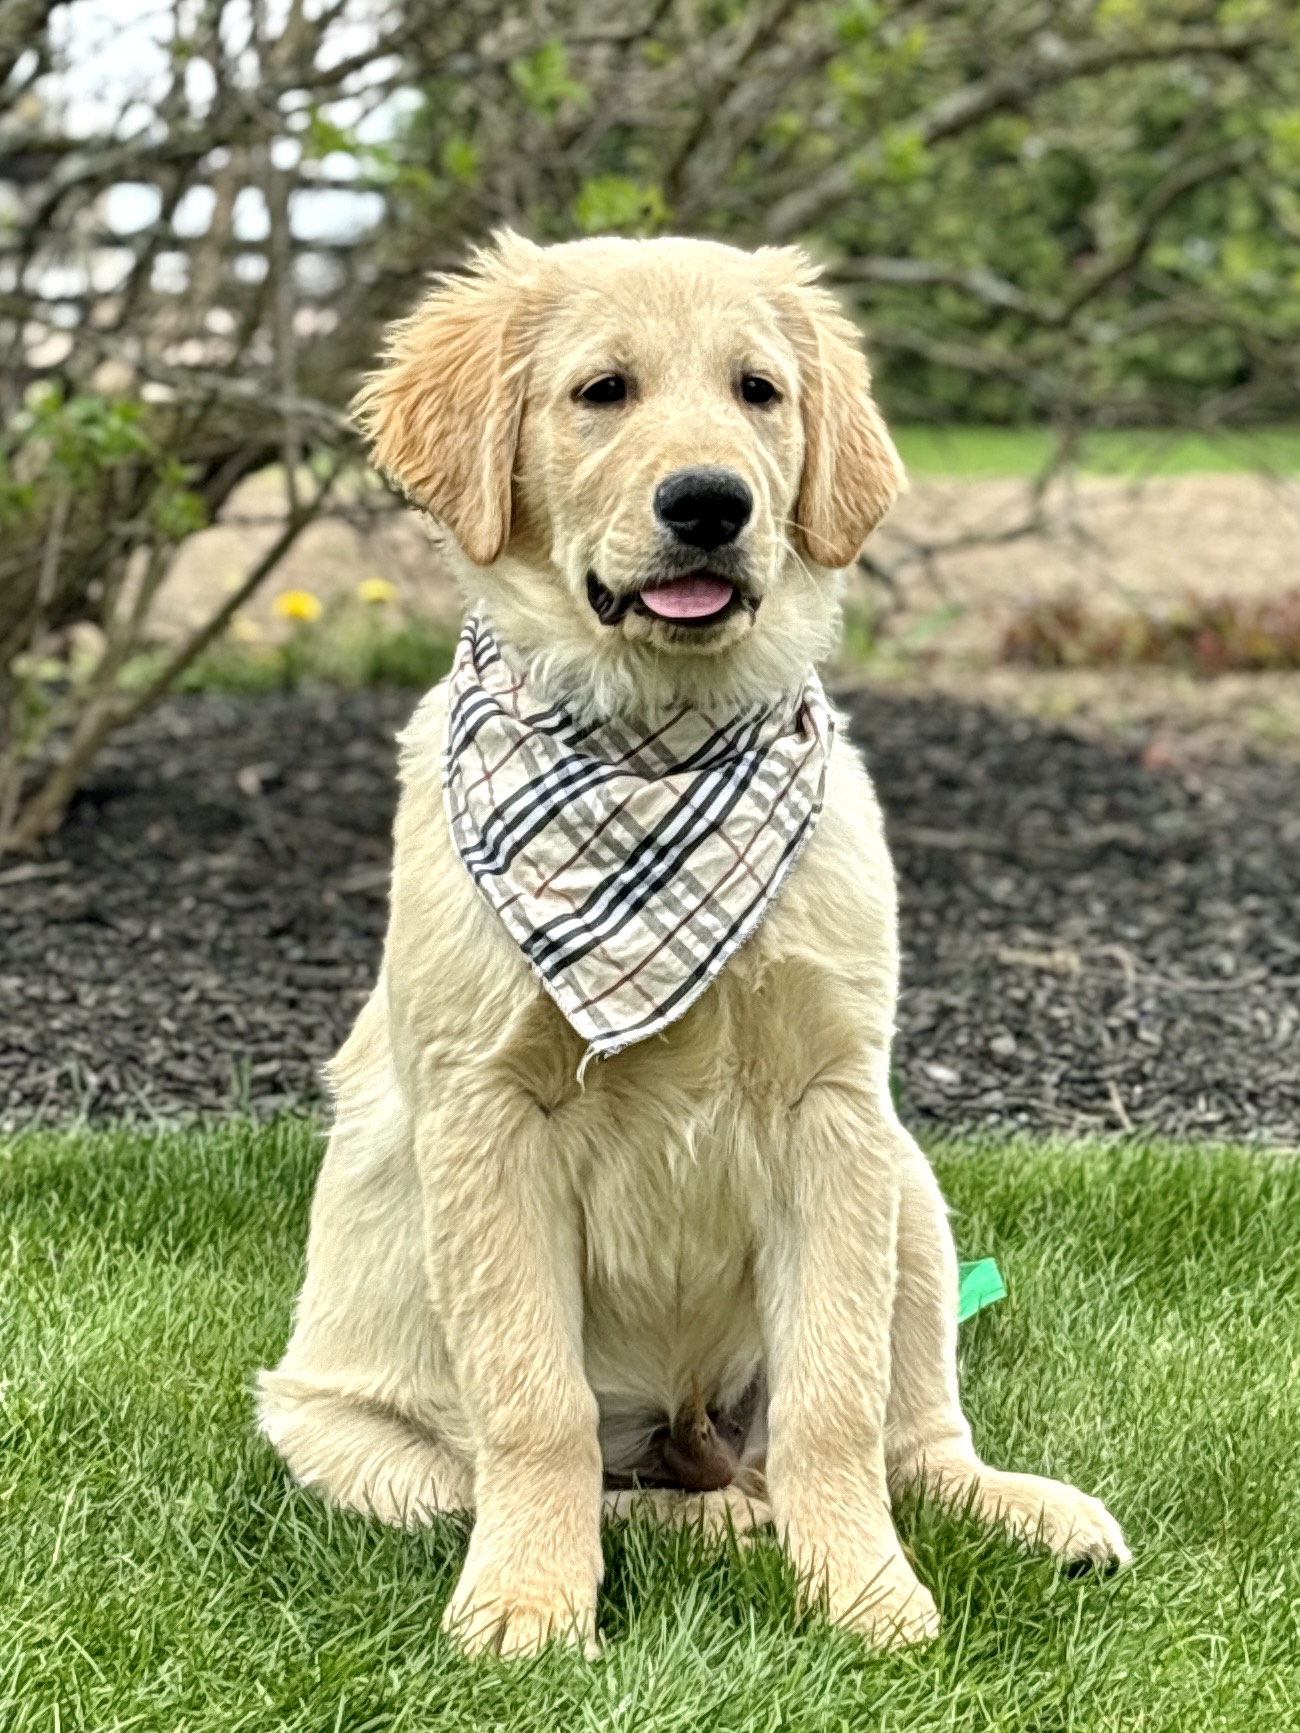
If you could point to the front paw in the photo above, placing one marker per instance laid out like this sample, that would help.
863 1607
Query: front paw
877 1595
519 1610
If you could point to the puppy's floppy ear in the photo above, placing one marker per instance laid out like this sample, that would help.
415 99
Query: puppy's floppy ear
851 471
443 411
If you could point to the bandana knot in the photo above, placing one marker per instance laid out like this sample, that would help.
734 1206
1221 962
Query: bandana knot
629 865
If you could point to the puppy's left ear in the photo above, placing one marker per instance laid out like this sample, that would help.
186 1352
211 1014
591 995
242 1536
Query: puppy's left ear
851 471
443 411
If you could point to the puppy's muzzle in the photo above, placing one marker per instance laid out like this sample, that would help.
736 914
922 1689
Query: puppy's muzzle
701 509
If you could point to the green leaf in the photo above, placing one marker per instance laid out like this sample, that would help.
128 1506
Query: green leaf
903 154
612 203
543 80
179 512
322 137
1283 129
459 160
856 21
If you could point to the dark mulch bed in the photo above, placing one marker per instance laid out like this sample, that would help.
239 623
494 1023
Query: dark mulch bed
1088 942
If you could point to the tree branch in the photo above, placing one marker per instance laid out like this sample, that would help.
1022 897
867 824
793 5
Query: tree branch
1046 65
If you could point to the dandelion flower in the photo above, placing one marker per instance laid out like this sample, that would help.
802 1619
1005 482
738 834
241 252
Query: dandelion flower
298 605
375 590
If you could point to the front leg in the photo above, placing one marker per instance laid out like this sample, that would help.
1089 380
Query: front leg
927 1437
826 1281
505 1277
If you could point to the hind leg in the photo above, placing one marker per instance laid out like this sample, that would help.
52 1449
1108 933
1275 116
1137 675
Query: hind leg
927 1438
362 1459
728 1510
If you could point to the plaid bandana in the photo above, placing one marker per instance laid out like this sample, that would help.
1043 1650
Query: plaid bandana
628 867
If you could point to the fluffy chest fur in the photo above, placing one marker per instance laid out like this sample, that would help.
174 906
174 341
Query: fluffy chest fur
669 1153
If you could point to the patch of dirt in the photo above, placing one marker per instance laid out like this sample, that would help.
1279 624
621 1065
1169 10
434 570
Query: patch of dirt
1090 940
1113 542
1119 547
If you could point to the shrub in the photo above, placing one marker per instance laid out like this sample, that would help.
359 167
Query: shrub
1218 635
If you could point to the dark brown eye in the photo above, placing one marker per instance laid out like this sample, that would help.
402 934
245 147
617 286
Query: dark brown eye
610 388
755 389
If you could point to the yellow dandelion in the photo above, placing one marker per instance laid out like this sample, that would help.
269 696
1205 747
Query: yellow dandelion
298 605
376 590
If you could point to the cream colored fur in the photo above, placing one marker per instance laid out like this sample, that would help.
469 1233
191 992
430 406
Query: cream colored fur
513 1277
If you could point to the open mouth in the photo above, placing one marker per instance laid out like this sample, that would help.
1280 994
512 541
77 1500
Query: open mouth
695 599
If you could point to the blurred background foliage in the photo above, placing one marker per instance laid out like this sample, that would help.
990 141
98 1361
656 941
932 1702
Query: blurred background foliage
1072 215
1076 211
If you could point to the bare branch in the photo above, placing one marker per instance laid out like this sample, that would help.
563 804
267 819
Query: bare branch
1180 179
977 280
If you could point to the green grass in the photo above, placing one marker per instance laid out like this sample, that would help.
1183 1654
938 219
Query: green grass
978 453
157 1573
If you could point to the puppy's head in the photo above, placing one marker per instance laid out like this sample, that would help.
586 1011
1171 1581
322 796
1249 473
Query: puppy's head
653 458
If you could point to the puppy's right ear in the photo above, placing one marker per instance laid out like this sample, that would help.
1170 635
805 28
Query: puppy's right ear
443 412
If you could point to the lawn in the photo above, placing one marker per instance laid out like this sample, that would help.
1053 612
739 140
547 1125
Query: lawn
157 1573
984 453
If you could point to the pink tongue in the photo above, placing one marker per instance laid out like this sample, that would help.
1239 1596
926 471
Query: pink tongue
693 598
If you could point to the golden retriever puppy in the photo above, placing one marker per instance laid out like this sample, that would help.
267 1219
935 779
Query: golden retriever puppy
650 1232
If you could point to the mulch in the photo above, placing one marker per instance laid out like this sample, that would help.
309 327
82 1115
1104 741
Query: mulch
1090 941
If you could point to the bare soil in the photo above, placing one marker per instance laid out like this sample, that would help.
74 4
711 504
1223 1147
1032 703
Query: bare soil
1117 546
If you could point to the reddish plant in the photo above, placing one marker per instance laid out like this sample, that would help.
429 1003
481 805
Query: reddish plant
1210 636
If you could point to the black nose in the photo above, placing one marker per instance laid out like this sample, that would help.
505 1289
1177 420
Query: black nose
704 507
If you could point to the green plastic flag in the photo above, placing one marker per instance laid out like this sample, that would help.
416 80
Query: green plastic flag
979 1285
